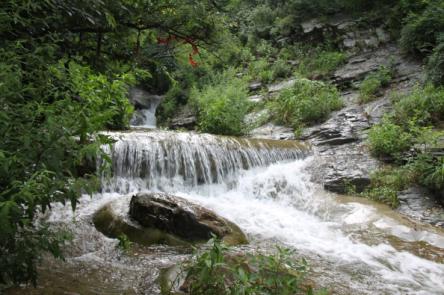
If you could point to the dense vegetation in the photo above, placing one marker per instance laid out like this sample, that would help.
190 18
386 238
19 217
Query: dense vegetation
305 103
407 138
65 71
66 67
217 272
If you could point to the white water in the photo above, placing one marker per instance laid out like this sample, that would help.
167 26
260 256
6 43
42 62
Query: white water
346 242
145 117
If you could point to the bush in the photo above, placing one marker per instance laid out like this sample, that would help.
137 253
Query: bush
435 64
421 31
222 104
175 96
305 103
425 105
321 63
430 171
386 183
373 83
216 272
388 139
280 69
384 194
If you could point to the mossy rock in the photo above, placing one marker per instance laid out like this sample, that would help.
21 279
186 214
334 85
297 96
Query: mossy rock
108 222
183 219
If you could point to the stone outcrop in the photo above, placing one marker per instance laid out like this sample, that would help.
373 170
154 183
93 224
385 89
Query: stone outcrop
179 217
184 119
421 205
110 222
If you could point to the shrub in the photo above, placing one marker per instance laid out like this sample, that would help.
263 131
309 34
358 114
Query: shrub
386 195
435 64
321 63
216 272
386 183
420 33
388 139
429 171
373 83
222 104
425 105
260 69
307 102
175 96
280 69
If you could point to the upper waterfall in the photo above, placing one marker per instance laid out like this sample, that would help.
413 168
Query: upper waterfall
145 104
146 159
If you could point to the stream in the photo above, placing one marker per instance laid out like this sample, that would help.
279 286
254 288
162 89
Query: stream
353 245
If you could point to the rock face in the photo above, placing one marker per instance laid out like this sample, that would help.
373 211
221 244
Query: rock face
185 119
420 204
344 162
182 218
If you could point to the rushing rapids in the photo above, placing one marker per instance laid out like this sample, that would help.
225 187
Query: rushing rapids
353 245
161 159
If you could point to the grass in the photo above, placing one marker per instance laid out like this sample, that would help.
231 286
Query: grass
373 83
218 272
321 63
306 103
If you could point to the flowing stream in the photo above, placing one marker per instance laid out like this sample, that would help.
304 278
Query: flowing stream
353 245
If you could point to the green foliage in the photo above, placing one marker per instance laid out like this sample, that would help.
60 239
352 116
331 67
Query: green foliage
217 272
386 183
222 104
321 63
429 171
175 97
65 68
124 243
389 140
425 105
383 194
435 64
305 103
421 30
373 83
409 128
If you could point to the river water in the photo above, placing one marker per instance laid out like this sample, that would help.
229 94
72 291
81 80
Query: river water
353 246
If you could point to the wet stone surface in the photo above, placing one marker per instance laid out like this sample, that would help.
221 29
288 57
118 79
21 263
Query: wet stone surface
421 205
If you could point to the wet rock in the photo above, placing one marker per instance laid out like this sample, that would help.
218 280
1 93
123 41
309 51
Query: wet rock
345 126
255 86
311 25
113 224
185 119
274 88
182 218
344 168
272 131
382 35
142 99
419 204
257 118
256 98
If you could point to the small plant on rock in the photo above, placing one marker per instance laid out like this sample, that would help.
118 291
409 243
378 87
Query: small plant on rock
373 83
305 103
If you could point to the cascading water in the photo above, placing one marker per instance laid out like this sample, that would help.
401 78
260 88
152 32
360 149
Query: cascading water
354 246
146 105
156 160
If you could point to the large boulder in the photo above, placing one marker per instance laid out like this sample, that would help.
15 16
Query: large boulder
110 221
177 216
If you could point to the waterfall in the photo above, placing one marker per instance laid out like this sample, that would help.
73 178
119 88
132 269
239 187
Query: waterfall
152 159
263 186
145 104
